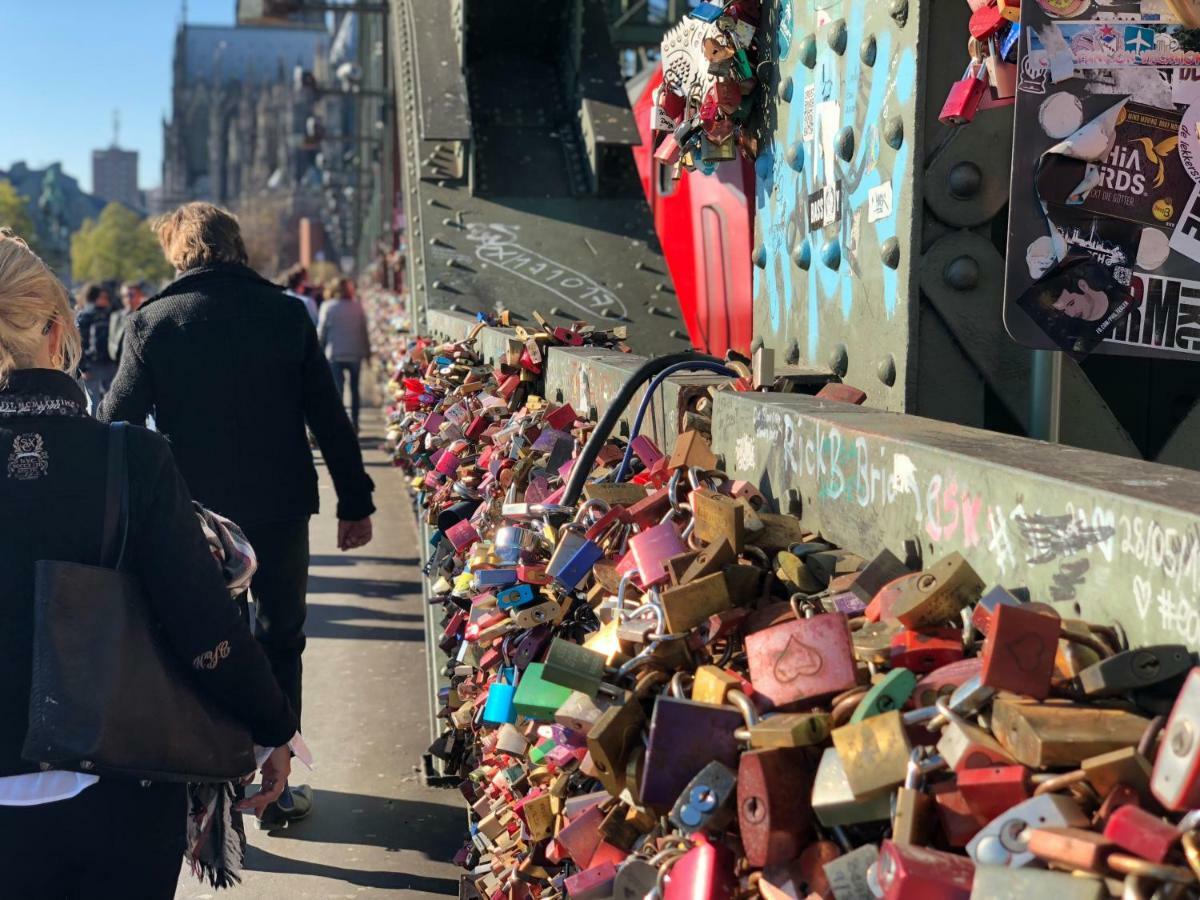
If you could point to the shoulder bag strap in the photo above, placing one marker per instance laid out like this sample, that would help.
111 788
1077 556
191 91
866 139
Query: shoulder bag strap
116 499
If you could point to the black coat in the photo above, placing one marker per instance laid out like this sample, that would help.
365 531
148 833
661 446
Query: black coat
52 478
231 369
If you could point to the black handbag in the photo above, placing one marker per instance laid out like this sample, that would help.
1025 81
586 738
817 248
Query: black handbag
108 697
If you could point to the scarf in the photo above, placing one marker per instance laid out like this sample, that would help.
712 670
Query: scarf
216 838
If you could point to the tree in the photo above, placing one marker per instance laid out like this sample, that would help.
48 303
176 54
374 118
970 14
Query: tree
14 212
119 246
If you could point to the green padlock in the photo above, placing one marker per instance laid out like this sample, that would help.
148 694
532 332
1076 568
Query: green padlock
575 667
890 693
537 698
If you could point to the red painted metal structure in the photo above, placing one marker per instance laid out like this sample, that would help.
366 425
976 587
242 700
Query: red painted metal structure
705 224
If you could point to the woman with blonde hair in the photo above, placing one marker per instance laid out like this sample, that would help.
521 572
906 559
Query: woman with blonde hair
64 830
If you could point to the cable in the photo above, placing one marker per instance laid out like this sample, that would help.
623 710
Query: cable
587 459
644 407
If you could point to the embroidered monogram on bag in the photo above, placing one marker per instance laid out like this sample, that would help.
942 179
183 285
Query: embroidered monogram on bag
29 459
210 659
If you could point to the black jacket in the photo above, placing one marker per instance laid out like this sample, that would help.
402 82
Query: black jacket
52 477
93 329
230 366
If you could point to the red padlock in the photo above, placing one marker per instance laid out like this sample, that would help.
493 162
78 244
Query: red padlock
965 95
985 21
1141 833
908 872
924 652
1176 779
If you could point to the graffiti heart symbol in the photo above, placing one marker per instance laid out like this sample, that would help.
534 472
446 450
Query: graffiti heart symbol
797 660
1142 594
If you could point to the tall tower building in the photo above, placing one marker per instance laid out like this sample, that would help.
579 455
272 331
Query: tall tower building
115 172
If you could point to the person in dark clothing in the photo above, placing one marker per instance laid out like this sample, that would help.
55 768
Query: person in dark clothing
69 833
96 367
232 370
133 295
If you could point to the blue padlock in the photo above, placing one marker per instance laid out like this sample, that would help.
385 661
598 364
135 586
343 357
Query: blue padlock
573 559
1009 43
515 597
706 12
499 706
489 578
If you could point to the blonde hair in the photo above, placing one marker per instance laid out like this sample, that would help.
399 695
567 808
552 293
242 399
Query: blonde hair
200 234
31 300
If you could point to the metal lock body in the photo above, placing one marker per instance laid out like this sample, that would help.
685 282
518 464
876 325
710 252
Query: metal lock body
573 559
985 609
580 712
829 564
690 604
461 536
1002 841
706 872
848 874
707 802
535 697
924 651
1020 651
991 790
499 708
711 684
794 574
913 812
875 753
835 804
515 597
490 578
581 837
873 642
710 561
1070 848
684 737
1132 670
717 518
650 549
805 659
881 607
510 740
774 816
1055 733
548 613
889 693
595 883
1002 883
1143 834
1125 767
885 568
535 809
908 872
612 740
573 666
790 730
962 103
938 594
692 451
635 879
1175 781
967 746
941 683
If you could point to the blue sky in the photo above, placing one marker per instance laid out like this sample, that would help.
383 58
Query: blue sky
67 64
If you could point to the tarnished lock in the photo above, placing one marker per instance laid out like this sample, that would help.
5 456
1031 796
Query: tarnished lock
834 803
691 603
1020 651
874 753
913 812
684 737
966 746
611 741
789 730
1057 733
573 666
938 594
717 517
849 875
707 802
804 659
773 792
1003 841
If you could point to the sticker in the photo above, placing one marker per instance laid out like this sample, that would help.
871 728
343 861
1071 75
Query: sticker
1109 45
829 114
879 202
1153 249
809 121
1186 238
1034 70
1185 85
1064 9
29 460
1076 303
1040 256
825 207
1189 142
1166 317
783 34
1060 115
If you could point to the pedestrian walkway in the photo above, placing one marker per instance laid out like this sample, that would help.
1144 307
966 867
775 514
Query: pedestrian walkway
376 830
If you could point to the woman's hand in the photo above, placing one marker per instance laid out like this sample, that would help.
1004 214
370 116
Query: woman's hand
275 772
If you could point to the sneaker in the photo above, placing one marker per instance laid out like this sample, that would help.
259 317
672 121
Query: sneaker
294 804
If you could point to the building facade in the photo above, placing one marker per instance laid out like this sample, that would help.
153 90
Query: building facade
115 176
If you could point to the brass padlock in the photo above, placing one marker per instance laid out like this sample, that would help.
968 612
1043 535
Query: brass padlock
875 753
717 518
688 605
1056 733
939 593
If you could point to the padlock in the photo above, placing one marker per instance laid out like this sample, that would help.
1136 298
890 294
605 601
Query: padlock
1132 670
705 871
773 790
1020 650
1002 842
612 740
1076 849
794 574
712 684
908 872
718 517
1010 9
684 737
535 697
849 874
1126 767
944 681
967 746
1056 733
880 571
1176 778
580 837
707 802
913 816
516 597
1141 833
889 693
1002 883
985 22
548 613
790 730
573 666
692 451
650 549
924 651
873 642
874 752
965 96
690 604
595 883
990 790
805 659
1002 74
500 707
985 609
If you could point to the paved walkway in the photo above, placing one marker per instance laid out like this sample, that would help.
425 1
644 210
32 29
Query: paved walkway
375 831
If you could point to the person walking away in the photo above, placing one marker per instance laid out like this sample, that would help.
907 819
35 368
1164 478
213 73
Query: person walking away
295 281
71 833
97 367
133 295
231 366
343 333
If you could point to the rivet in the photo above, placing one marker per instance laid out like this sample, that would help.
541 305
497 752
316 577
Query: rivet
808 51
839 360
837 37
785 89
899 12
802 255
845 143
793 352
831 254
886 370
795 157
889 253
868 50
962 273
965 179
760 256
893 132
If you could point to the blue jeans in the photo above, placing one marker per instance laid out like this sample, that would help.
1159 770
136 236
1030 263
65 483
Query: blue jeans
340 370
